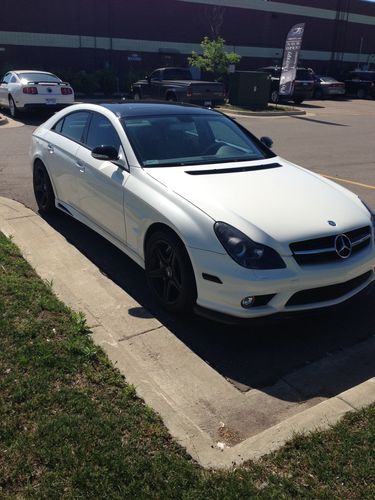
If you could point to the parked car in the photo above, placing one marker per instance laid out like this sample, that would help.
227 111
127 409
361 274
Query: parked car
28 90
303 84
218 221
360 84
327 86
177 84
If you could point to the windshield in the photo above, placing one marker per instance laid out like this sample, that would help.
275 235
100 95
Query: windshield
177 140
39 77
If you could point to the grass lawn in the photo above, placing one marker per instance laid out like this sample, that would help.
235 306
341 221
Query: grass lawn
71 427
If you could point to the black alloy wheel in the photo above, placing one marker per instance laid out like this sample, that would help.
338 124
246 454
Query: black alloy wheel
169 272
43 190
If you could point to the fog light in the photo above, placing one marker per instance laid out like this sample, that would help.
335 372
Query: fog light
247 302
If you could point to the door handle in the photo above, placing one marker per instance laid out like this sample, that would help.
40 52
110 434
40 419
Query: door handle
50 148
80 166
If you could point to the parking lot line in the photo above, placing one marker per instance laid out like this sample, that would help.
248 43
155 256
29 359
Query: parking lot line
368 186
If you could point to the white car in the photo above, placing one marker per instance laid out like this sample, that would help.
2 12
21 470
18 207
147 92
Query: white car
27 90
217 220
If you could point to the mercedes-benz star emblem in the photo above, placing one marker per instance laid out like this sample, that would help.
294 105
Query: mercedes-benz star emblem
343 246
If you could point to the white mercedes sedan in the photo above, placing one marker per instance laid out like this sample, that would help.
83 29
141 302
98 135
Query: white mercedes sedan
220 223
29 90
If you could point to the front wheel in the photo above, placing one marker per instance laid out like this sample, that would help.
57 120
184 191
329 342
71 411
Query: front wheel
318 94
274 97
43 190
361 94
171 97
169 272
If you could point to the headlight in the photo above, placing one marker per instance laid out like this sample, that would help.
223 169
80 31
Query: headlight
244 251
372 218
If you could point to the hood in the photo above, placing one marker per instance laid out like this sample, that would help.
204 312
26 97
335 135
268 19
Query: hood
272 201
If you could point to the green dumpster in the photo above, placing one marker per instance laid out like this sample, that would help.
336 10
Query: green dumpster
250 89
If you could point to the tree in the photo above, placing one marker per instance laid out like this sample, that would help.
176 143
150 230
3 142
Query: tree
214 58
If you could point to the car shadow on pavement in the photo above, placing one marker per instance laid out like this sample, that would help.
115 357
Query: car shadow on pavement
261 353
33 119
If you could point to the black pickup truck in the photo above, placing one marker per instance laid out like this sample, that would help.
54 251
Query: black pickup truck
177 84
360 84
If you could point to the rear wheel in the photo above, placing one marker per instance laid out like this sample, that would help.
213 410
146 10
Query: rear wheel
169 272
361 94
12 107
43 190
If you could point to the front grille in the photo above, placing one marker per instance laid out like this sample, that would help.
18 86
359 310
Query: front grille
321 250
326 293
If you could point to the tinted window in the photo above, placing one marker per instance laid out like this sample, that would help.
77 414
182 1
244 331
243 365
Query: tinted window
74 125
7 78
102 133
156 75
177 74
39 77
57 128
190 140
303 74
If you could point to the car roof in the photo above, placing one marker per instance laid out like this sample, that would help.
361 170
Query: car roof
136 108
31 71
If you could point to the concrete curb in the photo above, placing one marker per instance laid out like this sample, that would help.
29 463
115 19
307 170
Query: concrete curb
268 114
3 120
167 375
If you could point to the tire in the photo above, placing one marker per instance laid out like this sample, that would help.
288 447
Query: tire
274 97
318 94
298 100
13 111
361 93
171 97
137 96
169 272
43 190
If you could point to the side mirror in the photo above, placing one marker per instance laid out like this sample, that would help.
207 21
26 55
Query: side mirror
148 78
105 153
267 141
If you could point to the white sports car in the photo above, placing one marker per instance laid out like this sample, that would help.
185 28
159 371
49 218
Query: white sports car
217 220
27 90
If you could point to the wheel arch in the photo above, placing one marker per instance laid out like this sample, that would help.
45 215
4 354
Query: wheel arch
161 226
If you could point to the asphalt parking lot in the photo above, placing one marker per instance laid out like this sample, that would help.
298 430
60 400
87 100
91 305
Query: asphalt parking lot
334 138
294 360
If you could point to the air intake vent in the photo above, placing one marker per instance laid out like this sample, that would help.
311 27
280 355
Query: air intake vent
233 170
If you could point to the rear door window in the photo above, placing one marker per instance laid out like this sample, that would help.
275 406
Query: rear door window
74 125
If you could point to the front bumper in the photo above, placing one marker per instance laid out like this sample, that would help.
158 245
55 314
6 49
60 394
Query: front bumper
295 288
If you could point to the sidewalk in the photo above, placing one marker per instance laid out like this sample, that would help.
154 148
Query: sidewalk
194 401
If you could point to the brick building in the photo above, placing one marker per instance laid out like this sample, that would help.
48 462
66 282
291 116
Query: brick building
133 37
